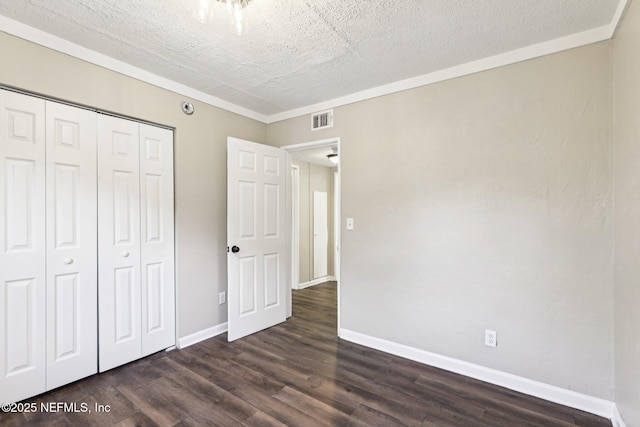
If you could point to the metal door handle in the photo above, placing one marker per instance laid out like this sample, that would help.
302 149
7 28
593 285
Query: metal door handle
235 249
125 254
68 261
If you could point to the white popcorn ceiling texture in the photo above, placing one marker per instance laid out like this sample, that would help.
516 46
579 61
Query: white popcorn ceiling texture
302 52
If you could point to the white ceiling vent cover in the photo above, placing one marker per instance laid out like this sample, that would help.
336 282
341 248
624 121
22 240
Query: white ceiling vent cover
322 120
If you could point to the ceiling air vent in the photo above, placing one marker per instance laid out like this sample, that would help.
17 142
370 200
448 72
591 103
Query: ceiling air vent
322 120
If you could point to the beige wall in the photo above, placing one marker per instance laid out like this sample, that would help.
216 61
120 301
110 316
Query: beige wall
484 202
313 178
627 215
200 161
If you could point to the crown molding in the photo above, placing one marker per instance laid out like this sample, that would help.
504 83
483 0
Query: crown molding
595 35
623 5
519 55
50 41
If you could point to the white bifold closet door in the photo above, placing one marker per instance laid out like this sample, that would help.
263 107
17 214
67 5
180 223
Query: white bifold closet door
72 264
22 256
48 259
77 190
135 243
157 239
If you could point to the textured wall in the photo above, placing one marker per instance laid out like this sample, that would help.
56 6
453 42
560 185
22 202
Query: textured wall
200 161
627 215
485 202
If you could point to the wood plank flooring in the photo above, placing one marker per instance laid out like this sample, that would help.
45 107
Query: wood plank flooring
295 374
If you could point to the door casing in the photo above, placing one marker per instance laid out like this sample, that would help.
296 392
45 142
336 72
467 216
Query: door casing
337 210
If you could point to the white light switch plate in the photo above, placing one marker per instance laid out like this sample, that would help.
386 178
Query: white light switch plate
349 223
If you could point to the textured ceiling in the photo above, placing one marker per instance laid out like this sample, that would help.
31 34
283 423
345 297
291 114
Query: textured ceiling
302 52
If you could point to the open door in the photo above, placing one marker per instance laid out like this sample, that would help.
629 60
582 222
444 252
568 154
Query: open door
257 256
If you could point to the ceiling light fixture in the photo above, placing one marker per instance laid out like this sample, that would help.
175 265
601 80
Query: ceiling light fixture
235 10
333 158
237 15
204 13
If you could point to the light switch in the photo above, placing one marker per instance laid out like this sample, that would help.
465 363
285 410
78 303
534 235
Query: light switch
349 223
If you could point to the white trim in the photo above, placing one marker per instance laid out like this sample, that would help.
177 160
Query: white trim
202 335
534 51
317 281
295 227
290 253
616 418
50 41
617 17
336 223
313 144
594 405
42 38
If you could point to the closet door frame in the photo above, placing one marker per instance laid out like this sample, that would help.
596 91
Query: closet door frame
65 318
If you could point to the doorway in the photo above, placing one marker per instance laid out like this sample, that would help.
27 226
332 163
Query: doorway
315 210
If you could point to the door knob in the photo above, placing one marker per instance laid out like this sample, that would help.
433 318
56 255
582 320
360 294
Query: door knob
235 249
68 261
125 254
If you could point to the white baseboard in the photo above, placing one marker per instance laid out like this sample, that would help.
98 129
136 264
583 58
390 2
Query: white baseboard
202 335
316 282
616 419
593 405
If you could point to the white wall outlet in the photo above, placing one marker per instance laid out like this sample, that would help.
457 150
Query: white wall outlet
490 338
222 297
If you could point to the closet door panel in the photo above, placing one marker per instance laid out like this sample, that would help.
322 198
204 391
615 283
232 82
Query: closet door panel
72 271
22 251
119 289
157 240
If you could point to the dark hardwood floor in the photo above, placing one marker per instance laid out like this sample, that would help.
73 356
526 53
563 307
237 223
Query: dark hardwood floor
296 374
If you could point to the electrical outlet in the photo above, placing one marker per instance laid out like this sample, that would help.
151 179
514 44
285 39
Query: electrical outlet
222 297
490 338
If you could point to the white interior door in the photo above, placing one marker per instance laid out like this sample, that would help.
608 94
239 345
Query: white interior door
119 242
72 271
256 221
320 234
22 255
157 245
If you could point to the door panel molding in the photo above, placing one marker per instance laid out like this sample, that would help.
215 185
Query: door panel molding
22 257
72 266
119 242
256 221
